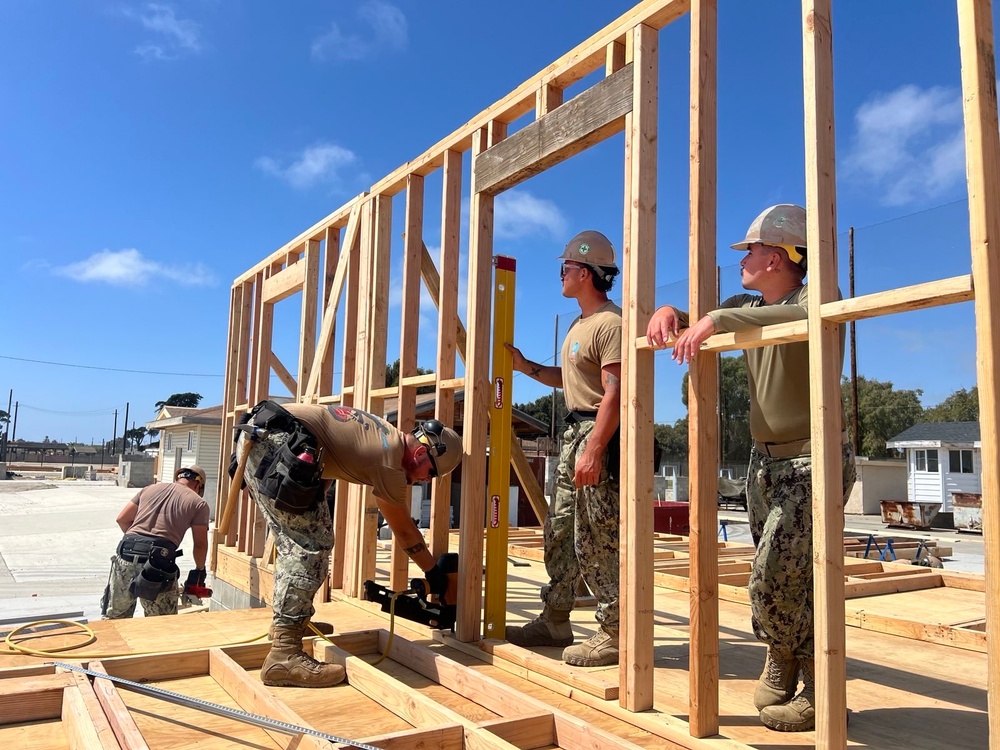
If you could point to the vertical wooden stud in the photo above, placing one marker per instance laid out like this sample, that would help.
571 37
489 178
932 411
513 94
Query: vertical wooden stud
638 289
825 364
703 385
982 159
476 406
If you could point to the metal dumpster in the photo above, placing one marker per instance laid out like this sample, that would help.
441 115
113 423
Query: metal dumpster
968 507
909 514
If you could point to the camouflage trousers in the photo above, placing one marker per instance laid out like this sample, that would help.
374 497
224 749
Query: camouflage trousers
581 533
779 506
121 603
302 540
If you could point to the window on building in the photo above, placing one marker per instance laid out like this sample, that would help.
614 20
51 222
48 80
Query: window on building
960 462
170 441
190 440
927 461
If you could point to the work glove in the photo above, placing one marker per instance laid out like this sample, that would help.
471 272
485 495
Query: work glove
195 584
196 577
442 579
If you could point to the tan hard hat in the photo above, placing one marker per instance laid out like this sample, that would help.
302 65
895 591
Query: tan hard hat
188 470
783 225
591 248
443 444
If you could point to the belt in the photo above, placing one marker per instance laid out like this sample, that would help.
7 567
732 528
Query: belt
575 416
137 548
790 449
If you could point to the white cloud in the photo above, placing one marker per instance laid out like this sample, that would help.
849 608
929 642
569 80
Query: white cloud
317 164
385 31
129 267
173 36
908 144
518 214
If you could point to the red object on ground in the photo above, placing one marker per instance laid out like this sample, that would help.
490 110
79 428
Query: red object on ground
670 517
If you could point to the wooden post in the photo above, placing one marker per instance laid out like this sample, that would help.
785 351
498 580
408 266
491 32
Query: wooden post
825 365
477 404
703 386
982 158
638 289
409 331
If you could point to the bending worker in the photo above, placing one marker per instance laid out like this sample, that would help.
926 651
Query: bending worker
779 478
154 522
581 527
297 450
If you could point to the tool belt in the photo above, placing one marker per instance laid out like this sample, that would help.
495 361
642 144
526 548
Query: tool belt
159 571
137 548
296 486
790 449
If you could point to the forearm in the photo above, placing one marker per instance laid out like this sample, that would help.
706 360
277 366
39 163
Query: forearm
607 421
406 534
544 374
200 555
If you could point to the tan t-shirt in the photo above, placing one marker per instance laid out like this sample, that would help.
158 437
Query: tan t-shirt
167 511
779 375
357 447
590 344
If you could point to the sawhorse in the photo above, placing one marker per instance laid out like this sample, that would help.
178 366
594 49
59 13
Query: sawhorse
872 542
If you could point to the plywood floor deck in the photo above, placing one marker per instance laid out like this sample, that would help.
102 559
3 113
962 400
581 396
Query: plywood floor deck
903 692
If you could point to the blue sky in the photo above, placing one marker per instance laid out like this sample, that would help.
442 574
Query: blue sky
152 152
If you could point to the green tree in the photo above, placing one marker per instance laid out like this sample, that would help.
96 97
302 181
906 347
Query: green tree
673 440
541 409
883 412
960 406
136 436
392 377
4 417
180 399
734 408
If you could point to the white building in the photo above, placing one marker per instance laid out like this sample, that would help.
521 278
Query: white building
189 437
941 458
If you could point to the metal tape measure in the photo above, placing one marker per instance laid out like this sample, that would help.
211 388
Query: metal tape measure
214 708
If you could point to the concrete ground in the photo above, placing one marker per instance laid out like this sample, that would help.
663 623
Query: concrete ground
57 538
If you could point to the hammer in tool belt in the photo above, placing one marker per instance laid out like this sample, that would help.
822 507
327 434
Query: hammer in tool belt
253 434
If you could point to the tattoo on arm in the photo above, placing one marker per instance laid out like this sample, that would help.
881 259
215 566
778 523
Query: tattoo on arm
535 371
411 551
610 380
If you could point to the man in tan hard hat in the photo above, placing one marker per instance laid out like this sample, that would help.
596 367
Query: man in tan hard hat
779 478
154 523
295 451
581 527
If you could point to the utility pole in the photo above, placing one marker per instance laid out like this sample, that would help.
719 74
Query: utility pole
854 352
114 437
124 428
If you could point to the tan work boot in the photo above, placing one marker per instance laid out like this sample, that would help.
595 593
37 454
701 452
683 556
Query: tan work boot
599 650
799 714
550 628
778 680
288 665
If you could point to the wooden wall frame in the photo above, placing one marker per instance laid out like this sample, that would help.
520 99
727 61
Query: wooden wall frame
355 247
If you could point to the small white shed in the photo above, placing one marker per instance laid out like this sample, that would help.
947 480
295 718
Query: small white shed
941 458
189 437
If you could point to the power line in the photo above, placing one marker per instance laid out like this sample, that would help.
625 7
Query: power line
113 369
